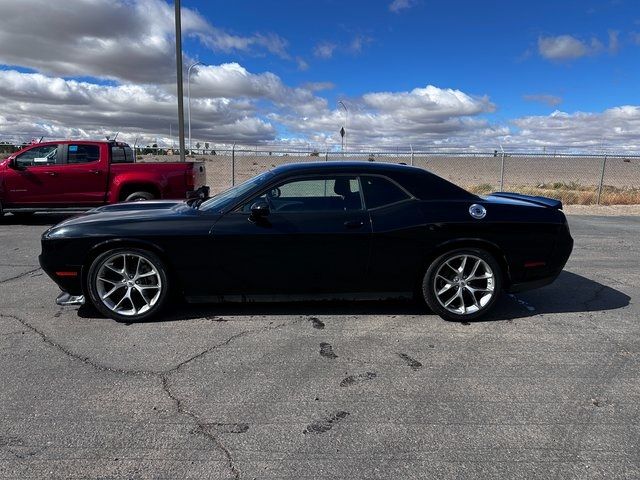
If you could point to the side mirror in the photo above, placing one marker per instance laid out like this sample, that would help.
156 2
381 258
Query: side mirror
259 210
14 164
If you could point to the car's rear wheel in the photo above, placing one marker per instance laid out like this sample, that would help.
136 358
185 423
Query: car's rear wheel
128 284
462 284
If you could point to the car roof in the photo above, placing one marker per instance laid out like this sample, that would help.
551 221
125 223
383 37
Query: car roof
352 166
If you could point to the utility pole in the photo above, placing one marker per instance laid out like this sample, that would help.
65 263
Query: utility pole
179 80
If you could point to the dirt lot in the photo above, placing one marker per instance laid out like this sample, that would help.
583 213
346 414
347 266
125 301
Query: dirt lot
547 387
469 171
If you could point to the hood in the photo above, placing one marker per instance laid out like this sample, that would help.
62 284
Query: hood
137 206
124 218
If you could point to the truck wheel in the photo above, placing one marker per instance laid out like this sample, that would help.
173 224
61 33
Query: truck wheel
128 284
462 284
139 197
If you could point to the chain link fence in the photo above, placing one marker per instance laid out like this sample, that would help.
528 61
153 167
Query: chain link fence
574 179
606 178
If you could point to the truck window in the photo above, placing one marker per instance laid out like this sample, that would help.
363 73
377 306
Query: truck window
121 154
83 154
45 155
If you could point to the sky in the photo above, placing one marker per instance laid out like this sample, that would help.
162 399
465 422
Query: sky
466 74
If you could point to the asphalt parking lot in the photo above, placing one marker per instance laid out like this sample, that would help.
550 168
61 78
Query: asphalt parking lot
547 387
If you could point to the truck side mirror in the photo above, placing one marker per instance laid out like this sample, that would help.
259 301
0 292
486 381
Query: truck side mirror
15 165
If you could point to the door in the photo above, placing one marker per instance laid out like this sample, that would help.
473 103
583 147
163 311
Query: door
33 177
84 174
314 240
400 238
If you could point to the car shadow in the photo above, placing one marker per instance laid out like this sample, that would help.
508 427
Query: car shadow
37 219
569 293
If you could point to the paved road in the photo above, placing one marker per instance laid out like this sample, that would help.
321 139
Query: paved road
548 387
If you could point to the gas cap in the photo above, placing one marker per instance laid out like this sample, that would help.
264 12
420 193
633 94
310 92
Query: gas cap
477 211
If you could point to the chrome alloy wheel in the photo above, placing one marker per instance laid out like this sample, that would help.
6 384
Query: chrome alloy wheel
464 284
128 284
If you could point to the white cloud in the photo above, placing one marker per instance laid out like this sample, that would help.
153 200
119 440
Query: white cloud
617 127
551 100
324 50
399 5
129 40
303 66
32 105
567 47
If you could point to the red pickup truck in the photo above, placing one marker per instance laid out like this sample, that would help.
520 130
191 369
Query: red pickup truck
75 175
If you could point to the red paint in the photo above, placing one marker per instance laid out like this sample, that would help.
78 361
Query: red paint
534 264
67 274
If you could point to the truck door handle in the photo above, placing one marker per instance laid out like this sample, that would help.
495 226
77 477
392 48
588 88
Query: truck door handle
51 174
95 172
353 224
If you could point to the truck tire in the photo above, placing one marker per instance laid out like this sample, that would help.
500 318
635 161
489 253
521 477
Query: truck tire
139 196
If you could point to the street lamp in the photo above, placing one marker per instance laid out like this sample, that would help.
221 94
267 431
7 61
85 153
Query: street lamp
346 122
189 98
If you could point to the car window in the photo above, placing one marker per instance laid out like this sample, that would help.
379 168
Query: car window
379 191
45 155
335 193
83 154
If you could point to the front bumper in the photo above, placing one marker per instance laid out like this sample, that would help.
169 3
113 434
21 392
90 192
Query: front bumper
67 283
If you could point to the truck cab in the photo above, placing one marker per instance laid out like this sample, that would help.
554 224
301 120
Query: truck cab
78 175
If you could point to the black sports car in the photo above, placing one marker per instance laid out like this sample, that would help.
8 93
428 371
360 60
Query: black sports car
343 229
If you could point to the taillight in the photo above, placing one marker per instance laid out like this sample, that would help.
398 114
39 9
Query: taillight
191 180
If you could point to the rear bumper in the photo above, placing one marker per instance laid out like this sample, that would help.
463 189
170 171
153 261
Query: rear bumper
66 299
531 284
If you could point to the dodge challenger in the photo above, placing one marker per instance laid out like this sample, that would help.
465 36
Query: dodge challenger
312 230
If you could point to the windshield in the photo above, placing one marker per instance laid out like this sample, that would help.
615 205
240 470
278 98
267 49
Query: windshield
225 199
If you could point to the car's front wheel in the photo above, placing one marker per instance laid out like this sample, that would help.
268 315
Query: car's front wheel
462 284
128 284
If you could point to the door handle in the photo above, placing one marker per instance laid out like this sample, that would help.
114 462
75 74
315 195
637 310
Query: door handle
51 174
95 172
353 223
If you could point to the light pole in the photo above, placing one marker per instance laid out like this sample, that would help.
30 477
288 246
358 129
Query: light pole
346 122
180 92
189 98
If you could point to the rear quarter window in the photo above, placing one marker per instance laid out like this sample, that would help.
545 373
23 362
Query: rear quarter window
380 191
120 154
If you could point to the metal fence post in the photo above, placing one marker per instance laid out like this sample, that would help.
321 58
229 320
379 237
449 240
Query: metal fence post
604 165
233 165
326 155
411 147
502 172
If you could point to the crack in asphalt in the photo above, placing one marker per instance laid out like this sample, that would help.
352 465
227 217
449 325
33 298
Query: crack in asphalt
163 376
10 279
200 425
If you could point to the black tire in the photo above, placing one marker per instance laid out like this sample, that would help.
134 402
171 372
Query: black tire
139 196
481 303
137 299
